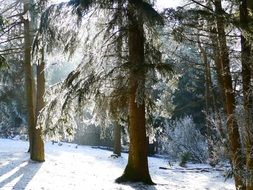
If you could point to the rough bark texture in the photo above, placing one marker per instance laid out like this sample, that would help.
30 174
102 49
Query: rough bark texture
34 148
117 140
38 144
117 127
28 76
137 167
232 126
247 94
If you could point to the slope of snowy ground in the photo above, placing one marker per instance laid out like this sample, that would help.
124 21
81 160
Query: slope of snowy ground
85 168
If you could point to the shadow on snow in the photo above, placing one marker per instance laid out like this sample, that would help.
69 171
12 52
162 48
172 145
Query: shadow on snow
22 169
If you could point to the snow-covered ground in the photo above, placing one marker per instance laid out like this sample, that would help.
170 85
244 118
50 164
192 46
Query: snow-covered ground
69 167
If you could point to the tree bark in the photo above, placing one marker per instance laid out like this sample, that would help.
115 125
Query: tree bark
137 166
33 132
117 140
38 144
232 126
247 94
28 76
119 44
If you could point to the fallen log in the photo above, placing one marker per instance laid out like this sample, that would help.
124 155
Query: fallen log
194 170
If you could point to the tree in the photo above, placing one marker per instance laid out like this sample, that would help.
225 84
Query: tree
189 97
117 139
13 109
2 61
18 33
38 140
140 58
232 126
209 105
212 19
246 60
137 167
36 143
117 126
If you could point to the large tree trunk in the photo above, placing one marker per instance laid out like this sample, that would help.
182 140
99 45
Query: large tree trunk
38 144
232 126
33 132
29 76
247 94
137 166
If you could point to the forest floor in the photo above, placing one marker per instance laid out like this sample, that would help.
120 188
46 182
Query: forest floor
72 167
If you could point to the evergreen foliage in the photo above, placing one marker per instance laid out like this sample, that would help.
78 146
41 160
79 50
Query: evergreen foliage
100 76
189 98
13 110
2 62
124 77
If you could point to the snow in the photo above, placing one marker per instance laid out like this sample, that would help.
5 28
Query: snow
68 167
160 4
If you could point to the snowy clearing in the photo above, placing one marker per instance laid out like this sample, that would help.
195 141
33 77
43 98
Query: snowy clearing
70 167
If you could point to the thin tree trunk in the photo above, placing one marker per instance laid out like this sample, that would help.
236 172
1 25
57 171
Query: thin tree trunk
117 140
247 94
209 130
217 63
117 127
232 126
137 166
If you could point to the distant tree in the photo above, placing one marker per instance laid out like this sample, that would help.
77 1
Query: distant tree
215 136
2 61
189 97
13 110
11 95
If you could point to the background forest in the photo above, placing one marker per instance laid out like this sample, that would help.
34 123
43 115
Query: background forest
130 76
